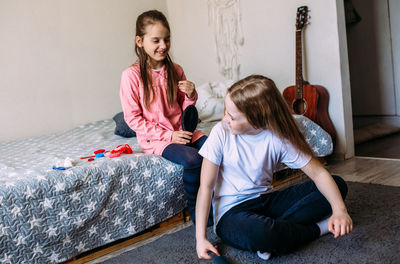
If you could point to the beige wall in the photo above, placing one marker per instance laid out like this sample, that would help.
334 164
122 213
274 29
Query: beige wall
61 61
269 49
371 57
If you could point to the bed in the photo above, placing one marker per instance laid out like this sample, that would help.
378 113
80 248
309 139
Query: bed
50 216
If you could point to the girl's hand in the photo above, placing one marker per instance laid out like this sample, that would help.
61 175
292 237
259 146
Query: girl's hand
187 87
203 247
340 224
181 137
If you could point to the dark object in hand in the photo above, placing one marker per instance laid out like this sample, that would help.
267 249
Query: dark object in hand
190 119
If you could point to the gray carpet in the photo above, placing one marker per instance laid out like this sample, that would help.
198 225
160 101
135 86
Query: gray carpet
375 210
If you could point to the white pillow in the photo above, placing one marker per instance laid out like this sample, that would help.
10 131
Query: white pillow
210 102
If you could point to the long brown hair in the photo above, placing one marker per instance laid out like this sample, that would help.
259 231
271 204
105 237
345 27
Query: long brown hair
145 19
258 98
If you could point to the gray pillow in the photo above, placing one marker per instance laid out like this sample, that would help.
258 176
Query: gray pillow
318 139
121 127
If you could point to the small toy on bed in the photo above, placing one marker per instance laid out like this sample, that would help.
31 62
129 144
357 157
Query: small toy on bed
126 149
120 149
64 164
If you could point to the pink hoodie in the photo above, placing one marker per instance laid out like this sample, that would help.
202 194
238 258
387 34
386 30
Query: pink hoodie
153 128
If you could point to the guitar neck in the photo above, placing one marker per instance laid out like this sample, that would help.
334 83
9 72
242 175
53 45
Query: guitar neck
299 64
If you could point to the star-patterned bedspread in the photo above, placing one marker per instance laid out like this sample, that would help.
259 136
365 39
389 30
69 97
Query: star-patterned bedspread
50 216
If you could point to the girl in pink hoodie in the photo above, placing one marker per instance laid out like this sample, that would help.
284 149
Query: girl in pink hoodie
154 93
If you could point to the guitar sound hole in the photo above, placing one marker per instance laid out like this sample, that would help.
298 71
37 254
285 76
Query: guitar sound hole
300 106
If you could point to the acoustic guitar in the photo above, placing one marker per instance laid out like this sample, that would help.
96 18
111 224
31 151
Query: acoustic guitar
303 98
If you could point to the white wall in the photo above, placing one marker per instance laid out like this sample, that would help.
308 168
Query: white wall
61 61
269 49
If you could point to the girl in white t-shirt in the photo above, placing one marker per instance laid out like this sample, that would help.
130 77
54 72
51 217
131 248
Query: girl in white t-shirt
239 158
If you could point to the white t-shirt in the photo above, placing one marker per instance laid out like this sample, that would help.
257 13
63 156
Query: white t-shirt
246 164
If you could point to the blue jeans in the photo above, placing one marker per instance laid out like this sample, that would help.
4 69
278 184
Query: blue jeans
188 156
277 222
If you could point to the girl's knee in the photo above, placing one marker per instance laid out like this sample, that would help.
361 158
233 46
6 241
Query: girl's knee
192 161
342 185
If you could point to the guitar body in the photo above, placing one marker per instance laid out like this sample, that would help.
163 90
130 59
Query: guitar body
313 105
307 105
303 98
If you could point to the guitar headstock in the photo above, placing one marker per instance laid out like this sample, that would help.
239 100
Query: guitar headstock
302 17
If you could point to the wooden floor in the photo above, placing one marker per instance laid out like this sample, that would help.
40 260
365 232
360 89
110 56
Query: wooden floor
384 147
368 170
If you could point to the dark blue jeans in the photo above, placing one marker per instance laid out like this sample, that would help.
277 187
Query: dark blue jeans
277 222
188 156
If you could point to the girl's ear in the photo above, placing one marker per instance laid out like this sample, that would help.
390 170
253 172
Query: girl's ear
139 41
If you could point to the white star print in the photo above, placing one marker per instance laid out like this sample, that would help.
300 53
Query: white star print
170 168
111 171
63 214
131 229
51 231
114 197
34 222
16 211
92 230
160 183
138 189
161 205
117 221
20 240
3 229
75 196
66 240
170 212
78 221
140 213
150 197
323 141
60 186
107 238
54 257
37 249
151 220
316 149
171 191
29 193
147 173
133 164
104 213
314 132
47 203
155 159
6 259
124 180
80 247
91 206
127 205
